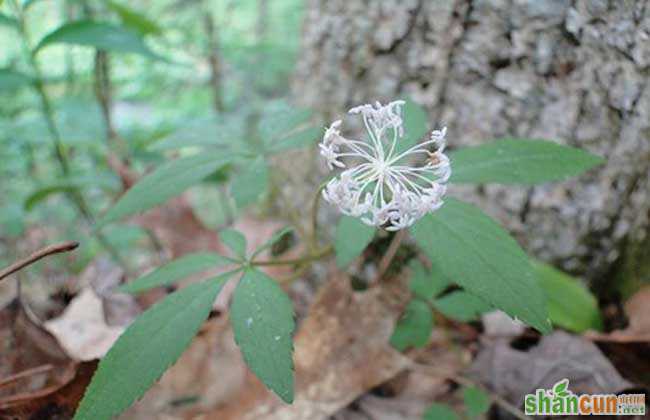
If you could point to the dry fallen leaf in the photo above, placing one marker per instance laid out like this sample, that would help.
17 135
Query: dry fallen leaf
637 309
82 329
514 373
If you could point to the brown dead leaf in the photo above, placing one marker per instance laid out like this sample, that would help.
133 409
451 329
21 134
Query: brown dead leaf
343 331
82 329
637 310
513 373
37 378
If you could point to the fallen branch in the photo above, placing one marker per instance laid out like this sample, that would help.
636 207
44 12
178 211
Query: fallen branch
41 253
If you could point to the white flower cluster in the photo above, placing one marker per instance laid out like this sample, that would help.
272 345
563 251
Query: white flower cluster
384 186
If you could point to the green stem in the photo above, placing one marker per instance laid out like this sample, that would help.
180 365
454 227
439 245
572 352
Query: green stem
297 261
314 216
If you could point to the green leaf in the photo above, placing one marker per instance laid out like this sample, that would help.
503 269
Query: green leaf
511 161
151 344
415 126
276 124
174 271
248 185
43 193
10 79
414 327
167 181
8 21
439 412
235 241
476 401
296 140
134 20
262 320
275 238
68 185
470 248
426 284
352 237
100 35
570 304
461 306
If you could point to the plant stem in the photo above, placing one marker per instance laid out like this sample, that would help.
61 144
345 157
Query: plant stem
41 253
388 257
314 216
318 254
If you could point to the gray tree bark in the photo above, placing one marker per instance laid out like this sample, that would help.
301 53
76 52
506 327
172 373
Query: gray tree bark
575 72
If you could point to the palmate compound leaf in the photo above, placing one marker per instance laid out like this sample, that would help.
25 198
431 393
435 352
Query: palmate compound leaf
148 347
101 35
352 237
471 249
519 161
175 270
263 322
167 181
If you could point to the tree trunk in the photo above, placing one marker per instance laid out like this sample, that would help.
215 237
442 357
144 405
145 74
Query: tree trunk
575 72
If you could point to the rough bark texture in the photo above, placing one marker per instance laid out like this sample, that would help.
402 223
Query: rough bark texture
575 72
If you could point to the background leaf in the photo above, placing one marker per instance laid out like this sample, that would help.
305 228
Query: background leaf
262 319
134 20
424 283
146 349
10 79
174 271
235 241
511 161
274 239
414 327
100 35
470 248
439 412
416 125
352 237
165 182
250 183
8 21
301 138
461 306
476 401
570 304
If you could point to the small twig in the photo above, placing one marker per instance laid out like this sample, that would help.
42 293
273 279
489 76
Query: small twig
497 399
388 257
25 374
42 253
